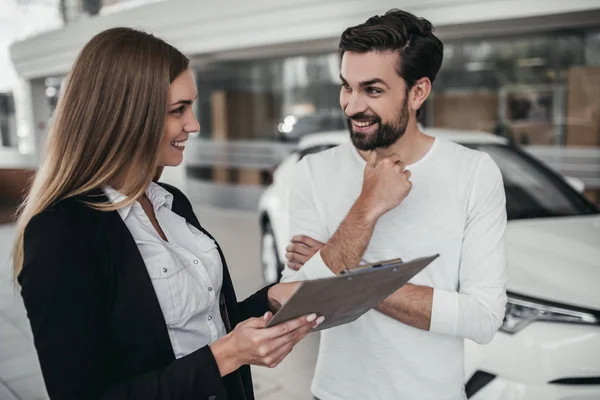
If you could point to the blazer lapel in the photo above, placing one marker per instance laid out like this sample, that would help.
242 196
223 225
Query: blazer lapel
143 294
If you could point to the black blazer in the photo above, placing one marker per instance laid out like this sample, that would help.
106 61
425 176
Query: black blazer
96 321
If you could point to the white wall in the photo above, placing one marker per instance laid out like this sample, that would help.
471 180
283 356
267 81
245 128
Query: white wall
202 27
17 22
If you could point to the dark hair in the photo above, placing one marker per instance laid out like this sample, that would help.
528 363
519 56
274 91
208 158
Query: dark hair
398 31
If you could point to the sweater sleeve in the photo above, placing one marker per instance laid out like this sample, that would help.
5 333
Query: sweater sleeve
477 310
305 220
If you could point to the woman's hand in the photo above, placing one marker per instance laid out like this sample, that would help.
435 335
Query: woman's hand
279 294
251 343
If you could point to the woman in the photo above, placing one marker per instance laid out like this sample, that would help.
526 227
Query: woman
127 295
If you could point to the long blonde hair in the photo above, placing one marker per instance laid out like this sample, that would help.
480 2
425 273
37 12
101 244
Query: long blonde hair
109 121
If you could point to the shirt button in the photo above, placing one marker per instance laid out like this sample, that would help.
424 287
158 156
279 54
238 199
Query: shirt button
210 289
164 270
195 261
210 317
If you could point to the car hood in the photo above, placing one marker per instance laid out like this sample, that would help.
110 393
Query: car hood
556 259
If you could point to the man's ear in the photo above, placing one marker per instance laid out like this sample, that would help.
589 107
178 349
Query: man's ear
419 93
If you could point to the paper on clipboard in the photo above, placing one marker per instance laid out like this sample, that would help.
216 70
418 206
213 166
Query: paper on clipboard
344 298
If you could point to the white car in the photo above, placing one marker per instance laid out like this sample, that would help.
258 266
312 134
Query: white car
549 345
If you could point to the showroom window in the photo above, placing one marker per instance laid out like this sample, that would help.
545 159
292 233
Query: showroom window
274 99
542 89
8 125
515 87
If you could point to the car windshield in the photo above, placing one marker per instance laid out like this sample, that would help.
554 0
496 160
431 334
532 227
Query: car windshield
532 190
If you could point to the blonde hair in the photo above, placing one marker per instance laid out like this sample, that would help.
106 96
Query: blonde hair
109 122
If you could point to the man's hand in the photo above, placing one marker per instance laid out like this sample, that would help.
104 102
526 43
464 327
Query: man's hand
300 250
385 185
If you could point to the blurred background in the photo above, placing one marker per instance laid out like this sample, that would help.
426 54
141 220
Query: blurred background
267 73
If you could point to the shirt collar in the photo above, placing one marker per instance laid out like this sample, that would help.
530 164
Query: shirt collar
114 197
157 195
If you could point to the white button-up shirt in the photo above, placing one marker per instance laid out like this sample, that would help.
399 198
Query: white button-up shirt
186 270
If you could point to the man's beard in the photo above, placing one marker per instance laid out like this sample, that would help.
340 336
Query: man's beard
386 135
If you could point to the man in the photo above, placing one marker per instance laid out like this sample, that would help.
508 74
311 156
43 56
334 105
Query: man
397 192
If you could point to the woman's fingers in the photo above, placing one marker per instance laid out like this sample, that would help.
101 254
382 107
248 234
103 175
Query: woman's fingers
268 346
281 346
278 355
290 326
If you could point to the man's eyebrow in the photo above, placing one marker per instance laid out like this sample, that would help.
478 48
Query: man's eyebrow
374 81
369 82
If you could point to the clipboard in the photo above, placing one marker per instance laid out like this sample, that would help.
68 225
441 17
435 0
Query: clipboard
344 298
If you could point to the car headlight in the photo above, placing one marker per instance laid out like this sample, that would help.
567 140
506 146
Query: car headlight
521 311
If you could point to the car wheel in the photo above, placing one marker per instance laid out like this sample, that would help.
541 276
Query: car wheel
269 257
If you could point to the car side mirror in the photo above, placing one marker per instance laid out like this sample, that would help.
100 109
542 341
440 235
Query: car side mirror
575 183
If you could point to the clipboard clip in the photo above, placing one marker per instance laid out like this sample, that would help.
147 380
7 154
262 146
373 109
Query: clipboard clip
371 266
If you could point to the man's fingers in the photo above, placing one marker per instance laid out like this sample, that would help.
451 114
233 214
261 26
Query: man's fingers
297 258
401 170
294 265
299 252
300 249
401 165
396 159
392 159
307 241
372 159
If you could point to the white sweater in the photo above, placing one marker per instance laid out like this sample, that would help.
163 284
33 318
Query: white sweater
456 208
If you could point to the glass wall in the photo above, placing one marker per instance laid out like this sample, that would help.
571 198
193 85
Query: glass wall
273 99
513 87
540 89
518 87
8 124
